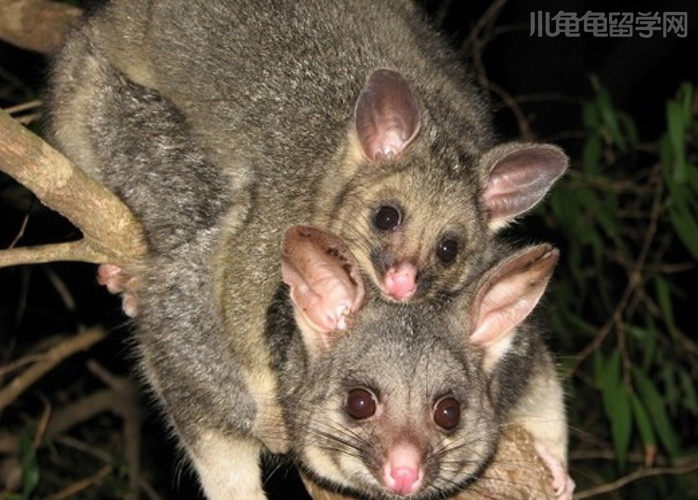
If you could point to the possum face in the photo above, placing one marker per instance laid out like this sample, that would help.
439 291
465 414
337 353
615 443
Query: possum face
416 232
395 412
419 209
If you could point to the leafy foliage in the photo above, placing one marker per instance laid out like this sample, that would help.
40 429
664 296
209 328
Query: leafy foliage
629 219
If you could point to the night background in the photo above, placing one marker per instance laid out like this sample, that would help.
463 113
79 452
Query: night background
621 305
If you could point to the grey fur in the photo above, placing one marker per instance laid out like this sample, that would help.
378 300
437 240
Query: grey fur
269 93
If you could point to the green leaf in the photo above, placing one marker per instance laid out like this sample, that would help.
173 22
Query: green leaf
644 425
664 299
617 406
612 369
688 387
602 211
692 175
656 408
580 323
686 97
680 192
676 130
629 128
30 467
591 116
647 340
565 208
683 210
670 392
591 155
619 413
609 119
598 362
686 229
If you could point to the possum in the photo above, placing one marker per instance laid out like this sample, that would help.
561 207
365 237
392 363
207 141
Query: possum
408 401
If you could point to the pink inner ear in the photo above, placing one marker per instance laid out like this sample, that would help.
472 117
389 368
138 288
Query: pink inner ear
521 178
326 287
387 115
508 293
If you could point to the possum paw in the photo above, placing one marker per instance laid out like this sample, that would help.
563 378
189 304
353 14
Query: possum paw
562 482
116 281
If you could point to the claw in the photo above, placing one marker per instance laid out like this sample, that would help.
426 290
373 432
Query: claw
116 281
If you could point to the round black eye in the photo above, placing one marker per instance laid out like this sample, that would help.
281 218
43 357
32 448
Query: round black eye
447 250
447 413
387 218
361 404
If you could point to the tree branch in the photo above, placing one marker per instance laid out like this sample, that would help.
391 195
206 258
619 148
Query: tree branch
37 25
111 232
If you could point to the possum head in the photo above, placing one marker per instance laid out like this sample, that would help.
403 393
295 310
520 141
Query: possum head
419 211
395 400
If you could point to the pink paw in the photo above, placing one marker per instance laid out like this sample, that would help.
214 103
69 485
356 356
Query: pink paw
562 483
116 281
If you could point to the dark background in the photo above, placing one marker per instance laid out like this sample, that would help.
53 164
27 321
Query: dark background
548 77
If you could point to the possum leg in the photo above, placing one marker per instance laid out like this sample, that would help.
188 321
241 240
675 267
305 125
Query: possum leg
228 467
542 414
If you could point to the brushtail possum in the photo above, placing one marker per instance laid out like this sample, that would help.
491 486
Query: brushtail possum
221 123
408 401
352 115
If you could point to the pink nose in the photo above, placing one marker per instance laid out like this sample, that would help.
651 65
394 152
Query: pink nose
405 478
402 471
399 281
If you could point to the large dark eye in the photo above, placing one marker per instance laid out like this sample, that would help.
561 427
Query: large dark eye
361 404
447 250
387 218
447 413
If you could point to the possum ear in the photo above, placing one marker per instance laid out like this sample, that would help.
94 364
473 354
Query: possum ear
519 176
325 284
387 115
506 295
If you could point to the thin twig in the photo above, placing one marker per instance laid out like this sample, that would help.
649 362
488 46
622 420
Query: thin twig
634 476
18 108
83 484
27 119
43 423
53 357
61 288
524 127
487 19
86 448
22 228
17 364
